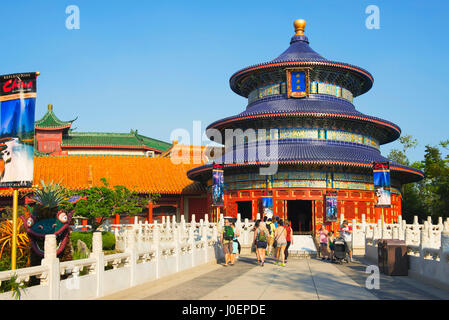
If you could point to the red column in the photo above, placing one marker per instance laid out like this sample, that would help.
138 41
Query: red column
84 223
150 212
117 219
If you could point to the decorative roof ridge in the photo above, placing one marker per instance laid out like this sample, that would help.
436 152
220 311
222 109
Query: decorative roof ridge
50 120
87 133
153 139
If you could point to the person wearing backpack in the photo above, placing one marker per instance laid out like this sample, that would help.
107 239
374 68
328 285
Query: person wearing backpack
270 228
226 239
261 238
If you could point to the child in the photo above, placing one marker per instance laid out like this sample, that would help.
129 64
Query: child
331 241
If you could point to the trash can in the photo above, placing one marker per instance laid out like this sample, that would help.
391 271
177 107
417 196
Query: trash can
392 257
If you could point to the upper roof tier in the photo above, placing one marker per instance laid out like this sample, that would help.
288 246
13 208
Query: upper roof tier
51 121
300 54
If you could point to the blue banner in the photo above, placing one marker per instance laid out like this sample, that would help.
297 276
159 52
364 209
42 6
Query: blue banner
17 112
381 176
331 206
217 187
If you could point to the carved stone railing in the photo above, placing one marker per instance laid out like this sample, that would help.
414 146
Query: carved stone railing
428 257
149 252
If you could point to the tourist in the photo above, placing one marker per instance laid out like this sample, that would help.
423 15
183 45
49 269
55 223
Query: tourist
270 227
226 239
289 238
323 243
235 244
276 222
261 238
346 233
254 247
280 238
331 242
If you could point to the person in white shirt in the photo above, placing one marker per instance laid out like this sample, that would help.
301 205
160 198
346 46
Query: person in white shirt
346 233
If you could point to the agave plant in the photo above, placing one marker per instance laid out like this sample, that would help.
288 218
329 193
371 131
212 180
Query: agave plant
50 196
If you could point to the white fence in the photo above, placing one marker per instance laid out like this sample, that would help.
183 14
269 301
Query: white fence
413 233
427 247
149 252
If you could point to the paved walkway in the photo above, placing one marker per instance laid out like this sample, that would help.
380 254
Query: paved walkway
301 279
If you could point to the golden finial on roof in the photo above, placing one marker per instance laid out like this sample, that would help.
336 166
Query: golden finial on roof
50 107
300 25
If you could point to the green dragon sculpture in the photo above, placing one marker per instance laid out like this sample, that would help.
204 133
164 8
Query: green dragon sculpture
46 217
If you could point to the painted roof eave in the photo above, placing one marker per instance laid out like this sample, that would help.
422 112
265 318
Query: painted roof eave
267 65
208 167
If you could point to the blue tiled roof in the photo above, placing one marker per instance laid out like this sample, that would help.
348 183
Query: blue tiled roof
299 51
310 152
318 105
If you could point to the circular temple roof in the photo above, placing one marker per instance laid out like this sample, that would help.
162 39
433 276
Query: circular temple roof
300 54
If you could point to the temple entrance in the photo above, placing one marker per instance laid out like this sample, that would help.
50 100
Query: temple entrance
245 209
299 212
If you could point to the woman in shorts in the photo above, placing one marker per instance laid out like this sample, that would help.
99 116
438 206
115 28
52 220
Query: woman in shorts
280 238
260 237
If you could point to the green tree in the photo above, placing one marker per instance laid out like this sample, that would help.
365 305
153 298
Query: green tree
428 197
436 170
100 203
412 193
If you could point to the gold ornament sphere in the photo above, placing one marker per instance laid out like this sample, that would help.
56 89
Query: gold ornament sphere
300 25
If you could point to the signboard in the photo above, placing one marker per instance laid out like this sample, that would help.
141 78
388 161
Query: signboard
331 206
218 186
297 83
382 188
17 106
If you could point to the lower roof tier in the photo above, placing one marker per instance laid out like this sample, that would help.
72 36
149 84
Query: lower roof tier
304 153
311 107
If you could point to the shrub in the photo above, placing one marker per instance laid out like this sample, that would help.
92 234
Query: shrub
86 236
108 240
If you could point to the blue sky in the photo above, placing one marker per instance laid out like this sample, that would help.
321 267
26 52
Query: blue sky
158 66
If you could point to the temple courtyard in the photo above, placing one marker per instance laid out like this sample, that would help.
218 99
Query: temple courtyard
300 279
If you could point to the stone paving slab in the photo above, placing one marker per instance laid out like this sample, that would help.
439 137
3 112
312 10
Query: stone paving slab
394 288
300 279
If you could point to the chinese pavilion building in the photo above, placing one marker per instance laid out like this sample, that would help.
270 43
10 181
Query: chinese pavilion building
56 137
323 143
79 160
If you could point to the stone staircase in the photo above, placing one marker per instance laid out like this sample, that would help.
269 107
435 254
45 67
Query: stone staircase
303 247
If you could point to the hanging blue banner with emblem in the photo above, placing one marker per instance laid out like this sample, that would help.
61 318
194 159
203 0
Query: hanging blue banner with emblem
381 175
331 206
217 186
